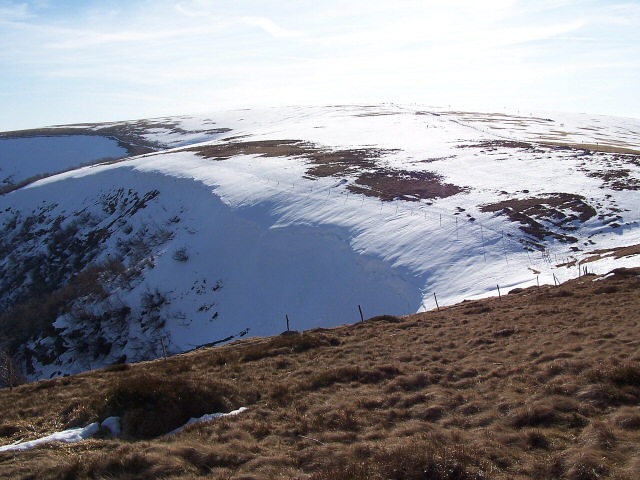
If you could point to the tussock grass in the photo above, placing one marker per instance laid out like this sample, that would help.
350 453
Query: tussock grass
540 384
152 405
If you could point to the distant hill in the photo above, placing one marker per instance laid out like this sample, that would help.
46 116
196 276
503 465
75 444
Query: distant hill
221 227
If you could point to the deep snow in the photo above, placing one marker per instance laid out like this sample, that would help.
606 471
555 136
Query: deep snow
22 158
263 239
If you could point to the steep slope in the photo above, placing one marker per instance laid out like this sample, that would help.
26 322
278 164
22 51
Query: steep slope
305 213
536 385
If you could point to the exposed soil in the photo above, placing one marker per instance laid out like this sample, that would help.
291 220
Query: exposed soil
618 252
262 148
562 210
361 164
540 384
129 135
406 185
494 144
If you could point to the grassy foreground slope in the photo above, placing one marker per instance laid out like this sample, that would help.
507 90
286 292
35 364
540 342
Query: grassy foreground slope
543 383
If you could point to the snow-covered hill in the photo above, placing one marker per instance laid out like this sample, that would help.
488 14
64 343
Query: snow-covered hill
232 222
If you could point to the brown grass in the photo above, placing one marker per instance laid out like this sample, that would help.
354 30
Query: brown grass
540 384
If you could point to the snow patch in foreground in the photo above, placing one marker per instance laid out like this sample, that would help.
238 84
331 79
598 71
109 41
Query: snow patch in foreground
74 435
71 435
207 418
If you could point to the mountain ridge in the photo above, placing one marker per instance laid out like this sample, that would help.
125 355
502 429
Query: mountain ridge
309 213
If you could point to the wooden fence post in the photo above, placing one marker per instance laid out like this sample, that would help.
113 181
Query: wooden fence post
10 371
164 349
436 299
361 315
287 317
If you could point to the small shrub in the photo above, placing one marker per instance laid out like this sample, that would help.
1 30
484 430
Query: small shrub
181 255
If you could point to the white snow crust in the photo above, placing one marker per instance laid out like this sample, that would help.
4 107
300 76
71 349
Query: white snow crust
265 240
22 158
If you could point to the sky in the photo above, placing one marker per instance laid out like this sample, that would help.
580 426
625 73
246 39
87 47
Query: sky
72 61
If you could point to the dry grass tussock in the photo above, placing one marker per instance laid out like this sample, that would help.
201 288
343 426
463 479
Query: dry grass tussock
540 384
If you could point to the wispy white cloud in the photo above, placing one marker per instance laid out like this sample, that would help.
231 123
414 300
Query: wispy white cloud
271 27
250 52
10 12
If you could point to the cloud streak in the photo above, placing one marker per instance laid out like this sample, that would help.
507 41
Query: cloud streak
500 52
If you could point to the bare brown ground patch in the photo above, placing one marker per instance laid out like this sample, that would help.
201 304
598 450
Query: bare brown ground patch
594 147
562 210
266 148
540 384
370 178
616 178
411 186
616 252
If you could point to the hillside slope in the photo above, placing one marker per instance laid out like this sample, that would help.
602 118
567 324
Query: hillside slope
236 221
544 383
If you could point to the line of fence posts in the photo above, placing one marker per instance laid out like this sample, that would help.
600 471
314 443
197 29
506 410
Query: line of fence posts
457 226
545 255
581 271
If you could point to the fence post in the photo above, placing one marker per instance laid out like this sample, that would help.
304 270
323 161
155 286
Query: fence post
499 295
436 299
361 315
287 317
164 349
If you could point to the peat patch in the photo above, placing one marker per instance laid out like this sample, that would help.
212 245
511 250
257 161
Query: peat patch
541 216
370 177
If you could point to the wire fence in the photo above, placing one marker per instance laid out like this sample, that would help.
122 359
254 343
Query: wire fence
488 238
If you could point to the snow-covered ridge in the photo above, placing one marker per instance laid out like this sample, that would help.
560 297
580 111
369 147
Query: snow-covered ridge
310 213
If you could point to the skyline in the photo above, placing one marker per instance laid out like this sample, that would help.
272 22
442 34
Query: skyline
92 61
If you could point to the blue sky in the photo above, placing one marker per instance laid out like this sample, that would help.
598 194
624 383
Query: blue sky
87 61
